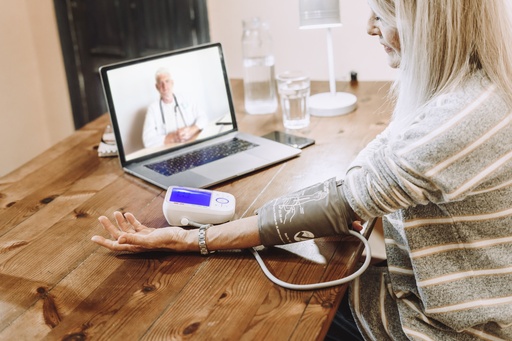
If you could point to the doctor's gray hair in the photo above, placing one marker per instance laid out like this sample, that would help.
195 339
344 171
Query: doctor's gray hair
162 71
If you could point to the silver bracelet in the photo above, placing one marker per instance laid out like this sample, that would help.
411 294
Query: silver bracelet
202 239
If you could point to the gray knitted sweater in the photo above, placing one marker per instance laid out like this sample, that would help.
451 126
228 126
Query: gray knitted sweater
444 188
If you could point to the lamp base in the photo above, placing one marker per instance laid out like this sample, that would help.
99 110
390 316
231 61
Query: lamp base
327 104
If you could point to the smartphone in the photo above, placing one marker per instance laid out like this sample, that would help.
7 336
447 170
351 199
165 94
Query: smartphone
289 139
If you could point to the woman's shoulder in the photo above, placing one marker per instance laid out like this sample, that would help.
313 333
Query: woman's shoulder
472 90
456 119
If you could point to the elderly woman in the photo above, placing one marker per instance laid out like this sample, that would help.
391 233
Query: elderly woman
440 176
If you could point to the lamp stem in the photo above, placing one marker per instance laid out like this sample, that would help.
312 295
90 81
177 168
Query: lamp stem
332 81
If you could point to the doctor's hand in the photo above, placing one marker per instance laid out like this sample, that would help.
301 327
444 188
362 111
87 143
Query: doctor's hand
128 234
186 133
181 135
173 137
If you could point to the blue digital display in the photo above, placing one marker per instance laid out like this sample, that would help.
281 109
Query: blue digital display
190 196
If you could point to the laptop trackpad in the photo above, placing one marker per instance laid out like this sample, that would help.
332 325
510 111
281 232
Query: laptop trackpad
234 165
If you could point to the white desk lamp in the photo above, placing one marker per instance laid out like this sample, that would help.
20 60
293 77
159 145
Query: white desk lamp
326 14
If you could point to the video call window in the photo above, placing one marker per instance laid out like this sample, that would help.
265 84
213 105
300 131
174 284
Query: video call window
200 99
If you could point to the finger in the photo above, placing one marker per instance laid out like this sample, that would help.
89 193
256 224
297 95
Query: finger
123 224
356 225
108 243
135 240
137 225
113 245
183 134
112 229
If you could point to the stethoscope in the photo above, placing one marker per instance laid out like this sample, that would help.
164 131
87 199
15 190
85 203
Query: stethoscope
176 110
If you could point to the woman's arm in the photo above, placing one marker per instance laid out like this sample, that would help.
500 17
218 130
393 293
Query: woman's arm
128 234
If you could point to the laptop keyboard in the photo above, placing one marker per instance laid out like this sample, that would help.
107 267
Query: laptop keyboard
200 157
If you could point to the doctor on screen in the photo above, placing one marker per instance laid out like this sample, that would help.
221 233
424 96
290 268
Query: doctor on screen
171 119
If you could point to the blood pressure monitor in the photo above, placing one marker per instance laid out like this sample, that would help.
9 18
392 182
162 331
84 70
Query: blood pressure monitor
189 206
183 204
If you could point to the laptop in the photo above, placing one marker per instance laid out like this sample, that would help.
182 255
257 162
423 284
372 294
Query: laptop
146 123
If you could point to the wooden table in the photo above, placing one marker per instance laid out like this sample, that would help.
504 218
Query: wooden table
58 285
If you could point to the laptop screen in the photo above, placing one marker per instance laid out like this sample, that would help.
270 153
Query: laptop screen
168 101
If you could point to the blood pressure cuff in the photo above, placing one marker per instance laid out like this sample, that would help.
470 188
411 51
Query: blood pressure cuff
316 211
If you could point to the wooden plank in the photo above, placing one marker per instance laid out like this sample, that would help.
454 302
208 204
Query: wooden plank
51 154
21 199
125 304
202 308
59 247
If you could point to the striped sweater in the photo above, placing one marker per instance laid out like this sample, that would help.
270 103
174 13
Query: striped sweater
444 188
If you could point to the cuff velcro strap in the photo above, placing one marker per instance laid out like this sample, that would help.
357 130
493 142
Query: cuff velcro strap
316 211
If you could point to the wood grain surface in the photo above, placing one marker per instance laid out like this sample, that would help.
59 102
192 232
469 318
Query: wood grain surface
55 284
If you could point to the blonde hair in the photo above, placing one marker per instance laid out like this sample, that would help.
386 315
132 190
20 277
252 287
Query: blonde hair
443 42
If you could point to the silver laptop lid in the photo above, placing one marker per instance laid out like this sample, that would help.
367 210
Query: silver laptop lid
141 111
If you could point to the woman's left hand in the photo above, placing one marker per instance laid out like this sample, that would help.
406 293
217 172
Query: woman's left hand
128 234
